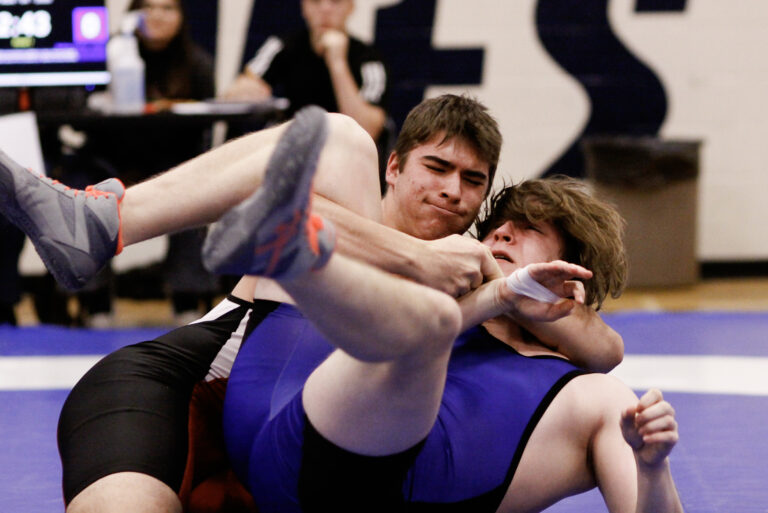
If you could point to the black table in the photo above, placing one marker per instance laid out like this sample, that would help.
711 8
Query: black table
194 114
136 146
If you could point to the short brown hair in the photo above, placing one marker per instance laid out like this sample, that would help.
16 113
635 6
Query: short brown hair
453 116
592 230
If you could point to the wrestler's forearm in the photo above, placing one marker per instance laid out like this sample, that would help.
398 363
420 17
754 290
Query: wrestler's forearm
369 241
656 491
453 264
481 304
582 336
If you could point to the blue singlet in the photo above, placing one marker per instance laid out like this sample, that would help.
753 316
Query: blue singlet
493 399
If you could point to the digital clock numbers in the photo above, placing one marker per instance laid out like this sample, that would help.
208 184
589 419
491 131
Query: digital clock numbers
35 24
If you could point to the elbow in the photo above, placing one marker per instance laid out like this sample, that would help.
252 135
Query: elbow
612 354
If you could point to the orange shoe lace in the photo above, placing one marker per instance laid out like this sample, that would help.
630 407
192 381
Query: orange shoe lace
95 193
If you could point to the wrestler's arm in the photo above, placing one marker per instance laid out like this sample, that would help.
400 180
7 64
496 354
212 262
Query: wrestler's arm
467 265
582 336
248 87
631 448
495 298
567 327
335 45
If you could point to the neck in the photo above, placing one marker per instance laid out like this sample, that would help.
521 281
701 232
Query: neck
155 46
509 332
505 329
389 212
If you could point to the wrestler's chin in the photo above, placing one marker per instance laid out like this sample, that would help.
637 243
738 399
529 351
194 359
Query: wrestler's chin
506 266
438 230
442 224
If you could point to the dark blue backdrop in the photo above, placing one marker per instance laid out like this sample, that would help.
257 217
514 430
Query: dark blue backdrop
626 96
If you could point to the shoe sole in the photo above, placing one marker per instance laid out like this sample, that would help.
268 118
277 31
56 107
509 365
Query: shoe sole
284 194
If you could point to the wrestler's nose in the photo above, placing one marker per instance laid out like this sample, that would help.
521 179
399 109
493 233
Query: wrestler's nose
505 233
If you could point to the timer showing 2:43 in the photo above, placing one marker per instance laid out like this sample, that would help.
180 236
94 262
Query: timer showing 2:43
36 24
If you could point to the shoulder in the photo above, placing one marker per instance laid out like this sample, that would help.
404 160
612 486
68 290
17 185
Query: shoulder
604 386
598 396
357 43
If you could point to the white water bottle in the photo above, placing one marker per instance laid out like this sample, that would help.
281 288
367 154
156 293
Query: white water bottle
126 68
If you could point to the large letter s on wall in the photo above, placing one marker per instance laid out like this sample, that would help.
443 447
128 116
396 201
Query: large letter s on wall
626 96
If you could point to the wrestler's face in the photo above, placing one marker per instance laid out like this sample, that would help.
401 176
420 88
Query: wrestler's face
438 191
162 21
516 244
322 15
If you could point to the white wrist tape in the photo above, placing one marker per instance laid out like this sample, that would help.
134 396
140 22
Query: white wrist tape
520 282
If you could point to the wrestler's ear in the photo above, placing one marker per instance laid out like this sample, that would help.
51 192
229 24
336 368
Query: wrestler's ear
393 169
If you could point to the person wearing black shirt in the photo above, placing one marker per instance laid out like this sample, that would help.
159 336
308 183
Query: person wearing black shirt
176 69
320 65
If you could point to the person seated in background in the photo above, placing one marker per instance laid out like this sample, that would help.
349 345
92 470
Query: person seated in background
321 65
176 69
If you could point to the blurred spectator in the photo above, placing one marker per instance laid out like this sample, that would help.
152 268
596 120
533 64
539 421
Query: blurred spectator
321 65
176 70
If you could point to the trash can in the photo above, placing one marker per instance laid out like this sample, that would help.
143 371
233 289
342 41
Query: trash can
654 185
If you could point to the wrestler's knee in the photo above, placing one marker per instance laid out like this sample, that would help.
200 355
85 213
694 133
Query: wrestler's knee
348 171
446 321
435 328
354 140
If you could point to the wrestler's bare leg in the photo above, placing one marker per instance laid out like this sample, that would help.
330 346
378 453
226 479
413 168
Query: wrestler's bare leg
242 169
201 190
126 492
380 392
104 218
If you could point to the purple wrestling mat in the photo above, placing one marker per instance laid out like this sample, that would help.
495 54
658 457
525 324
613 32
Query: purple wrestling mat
718 387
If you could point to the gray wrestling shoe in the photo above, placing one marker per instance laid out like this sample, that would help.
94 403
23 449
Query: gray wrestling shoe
272 233
75 232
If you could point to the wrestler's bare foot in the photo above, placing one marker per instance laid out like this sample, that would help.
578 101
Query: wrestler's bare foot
126 492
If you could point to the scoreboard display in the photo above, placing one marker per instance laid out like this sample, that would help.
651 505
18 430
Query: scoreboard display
53 42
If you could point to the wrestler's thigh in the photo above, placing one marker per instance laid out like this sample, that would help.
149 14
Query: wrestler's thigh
123 416
126 492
